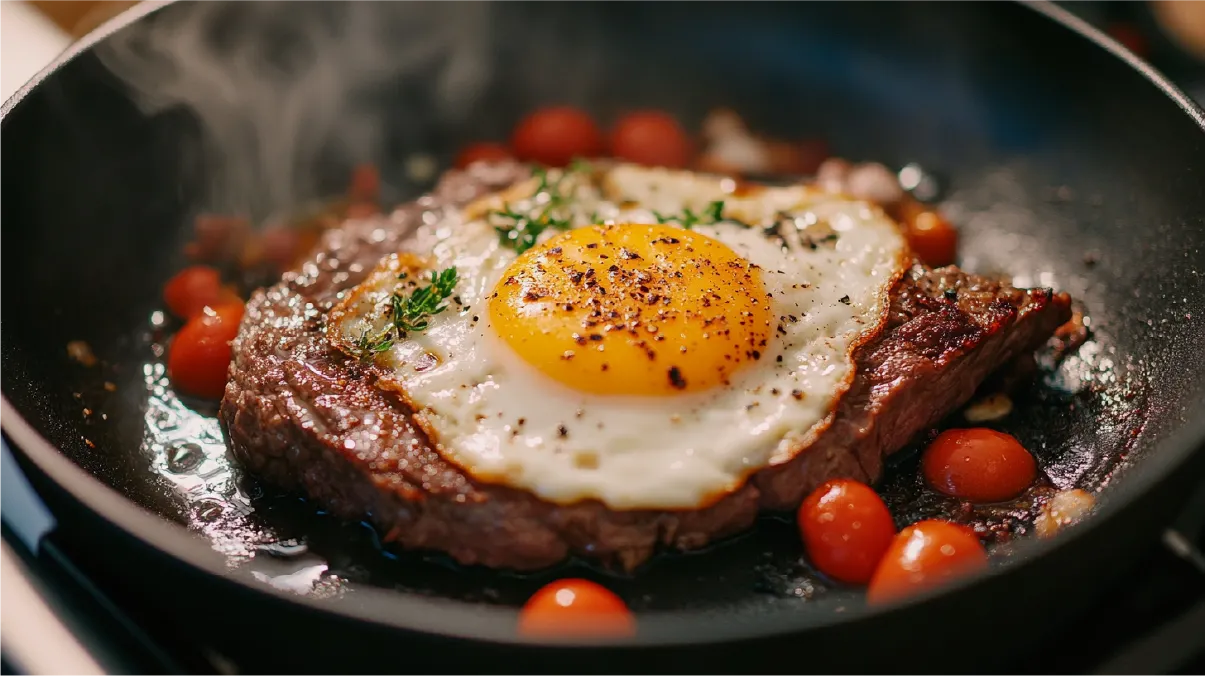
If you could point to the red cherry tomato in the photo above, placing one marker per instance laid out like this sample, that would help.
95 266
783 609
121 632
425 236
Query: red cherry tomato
846 529
200 353
978 464
365 184
651 138
194 288
575 607
933 239
555 136
924 556
482 152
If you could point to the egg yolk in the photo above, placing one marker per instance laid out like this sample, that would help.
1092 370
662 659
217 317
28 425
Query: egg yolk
633 309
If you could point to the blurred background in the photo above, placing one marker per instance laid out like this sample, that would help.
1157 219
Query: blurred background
1167 33
1171 34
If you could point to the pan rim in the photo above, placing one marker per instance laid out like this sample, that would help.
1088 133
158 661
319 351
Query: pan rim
445 618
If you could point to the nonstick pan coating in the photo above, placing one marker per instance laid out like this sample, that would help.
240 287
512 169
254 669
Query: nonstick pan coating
1063 164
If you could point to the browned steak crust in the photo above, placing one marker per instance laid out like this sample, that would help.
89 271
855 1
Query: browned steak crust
301 415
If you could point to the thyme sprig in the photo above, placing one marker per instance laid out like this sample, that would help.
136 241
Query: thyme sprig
409 314
710 215
520 231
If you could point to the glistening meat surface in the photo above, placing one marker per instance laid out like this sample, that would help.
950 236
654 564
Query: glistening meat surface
302 415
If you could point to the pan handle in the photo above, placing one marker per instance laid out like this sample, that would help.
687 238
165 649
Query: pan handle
53 620
35 639
24 512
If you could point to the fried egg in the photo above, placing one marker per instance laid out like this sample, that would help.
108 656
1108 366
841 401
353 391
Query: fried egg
642 337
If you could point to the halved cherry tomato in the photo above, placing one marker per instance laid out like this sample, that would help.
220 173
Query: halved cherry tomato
978 464
932 238
200 352
555 136
482 152
652 138
575 607
365 184
194 288
846 529
924 556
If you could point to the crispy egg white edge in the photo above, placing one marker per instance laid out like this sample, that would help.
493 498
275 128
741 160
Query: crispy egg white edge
501 421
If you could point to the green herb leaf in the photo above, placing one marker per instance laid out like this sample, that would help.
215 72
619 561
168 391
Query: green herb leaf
410 314
711 214
520 231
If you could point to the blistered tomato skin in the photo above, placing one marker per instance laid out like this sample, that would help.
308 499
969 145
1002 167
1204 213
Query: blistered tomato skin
846 529
555 136
933 239
924 556
575 608
194 288
978 465
199 354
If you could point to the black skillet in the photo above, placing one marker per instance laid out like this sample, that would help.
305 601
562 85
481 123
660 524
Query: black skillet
1067 162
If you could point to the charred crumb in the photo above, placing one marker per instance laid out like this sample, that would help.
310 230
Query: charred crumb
676 378
844 300
562 431
797 395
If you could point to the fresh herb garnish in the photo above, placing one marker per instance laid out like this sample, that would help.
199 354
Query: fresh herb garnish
520 231
409 314
711 214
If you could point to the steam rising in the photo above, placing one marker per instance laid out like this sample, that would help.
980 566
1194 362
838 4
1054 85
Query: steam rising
280 89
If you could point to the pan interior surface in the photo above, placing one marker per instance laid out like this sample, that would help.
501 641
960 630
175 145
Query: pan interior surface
1064 168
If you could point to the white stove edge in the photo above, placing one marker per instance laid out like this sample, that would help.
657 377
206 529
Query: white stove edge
28 43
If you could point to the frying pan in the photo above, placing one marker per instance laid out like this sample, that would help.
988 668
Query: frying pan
1065 161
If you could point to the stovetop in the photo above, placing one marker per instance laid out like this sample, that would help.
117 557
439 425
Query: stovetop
71 622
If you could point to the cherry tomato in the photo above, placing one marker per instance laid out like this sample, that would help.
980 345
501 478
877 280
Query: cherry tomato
651 138
846 529
924 556
200 353
215 236
575 607
365 184
482 152
978 464
932 238
555 136
194 288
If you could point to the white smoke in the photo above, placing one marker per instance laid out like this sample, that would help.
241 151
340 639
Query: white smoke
280 88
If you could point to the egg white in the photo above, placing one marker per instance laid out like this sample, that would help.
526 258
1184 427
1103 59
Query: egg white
828 271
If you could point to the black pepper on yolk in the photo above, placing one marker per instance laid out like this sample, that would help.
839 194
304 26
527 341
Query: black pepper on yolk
633 309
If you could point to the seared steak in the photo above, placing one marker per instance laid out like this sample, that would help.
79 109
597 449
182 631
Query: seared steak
302 415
